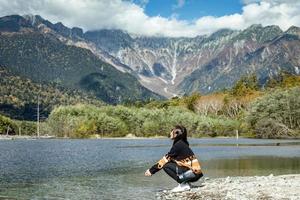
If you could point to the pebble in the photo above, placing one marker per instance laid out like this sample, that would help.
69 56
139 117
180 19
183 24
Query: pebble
259 187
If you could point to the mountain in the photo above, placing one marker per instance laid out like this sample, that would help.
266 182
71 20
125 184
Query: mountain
265 52
36 49
174 66
171 66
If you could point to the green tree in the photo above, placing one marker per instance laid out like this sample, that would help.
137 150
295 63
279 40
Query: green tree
190 101
282 106
7 125
245 85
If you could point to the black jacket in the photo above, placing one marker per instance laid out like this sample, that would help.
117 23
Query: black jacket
179 151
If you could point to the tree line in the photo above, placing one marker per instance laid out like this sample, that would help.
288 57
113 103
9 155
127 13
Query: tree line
269 112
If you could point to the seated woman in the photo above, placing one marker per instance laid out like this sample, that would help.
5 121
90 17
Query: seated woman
180 163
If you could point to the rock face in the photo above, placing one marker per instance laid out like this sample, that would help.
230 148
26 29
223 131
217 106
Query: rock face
240 188
172 66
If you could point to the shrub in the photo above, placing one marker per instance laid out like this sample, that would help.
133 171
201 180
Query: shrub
86 121
7 125
269 128
110 126
280 108
26 127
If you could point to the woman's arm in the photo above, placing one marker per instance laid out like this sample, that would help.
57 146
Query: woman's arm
159 165
164 160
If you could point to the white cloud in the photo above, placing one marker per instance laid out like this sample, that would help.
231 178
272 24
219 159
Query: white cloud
249 1
126 15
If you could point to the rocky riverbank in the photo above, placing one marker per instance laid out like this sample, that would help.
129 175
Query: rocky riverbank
27 137
254 187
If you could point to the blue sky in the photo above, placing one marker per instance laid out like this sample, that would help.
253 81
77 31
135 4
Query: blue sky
171 18
192 9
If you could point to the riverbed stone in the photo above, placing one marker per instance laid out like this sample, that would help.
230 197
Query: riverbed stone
242 188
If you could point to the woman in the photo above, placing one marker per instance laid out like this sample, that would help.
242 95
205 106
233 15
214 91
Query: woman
180 163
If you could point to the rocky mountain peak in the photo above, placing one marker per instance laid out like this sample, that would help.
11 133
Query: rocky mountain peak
258 33
222 33
36 21
293 30
13 23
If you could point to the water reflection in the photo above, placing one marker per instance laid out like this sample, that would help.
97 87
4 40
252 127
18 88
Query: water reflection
251 166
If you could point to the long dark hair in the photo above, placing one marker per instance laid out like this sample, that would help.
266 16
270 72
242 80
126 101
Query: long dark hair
182 135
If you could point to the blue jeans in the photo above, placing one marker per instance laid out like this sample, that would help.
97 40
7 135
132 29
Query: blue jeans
174 170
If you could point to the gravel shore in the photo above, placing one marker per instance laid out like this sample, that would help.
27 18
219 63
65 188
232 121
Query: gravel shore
253 187
14 137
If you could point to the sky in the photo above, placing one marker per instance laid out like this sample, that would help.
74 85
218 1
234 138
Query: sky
190 9
172 18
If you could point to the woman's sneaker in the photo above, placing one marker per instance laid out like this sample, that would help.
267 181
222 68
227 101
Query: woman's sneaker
181 187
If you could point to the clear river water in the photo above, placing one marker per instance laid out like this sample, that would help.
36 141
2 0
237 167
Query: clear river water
114 168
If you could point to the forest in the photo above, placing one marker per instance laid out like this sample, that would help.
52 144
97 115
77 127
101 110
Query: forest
249 109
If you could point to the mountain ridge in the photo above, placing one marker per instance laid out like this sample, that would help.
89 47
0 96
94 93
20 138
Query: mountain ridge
37 53
177 66
186 55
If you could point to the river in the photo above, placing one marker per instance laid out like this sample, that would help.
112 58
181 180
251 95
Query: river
114 168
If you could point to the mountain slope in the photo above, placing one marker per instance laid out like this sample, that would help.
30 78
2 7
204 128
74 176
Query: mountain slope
43 58
173 66
19 97
266 60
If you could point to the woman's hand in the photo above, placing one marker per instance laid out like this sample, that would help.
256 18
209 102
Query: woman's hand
148 173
